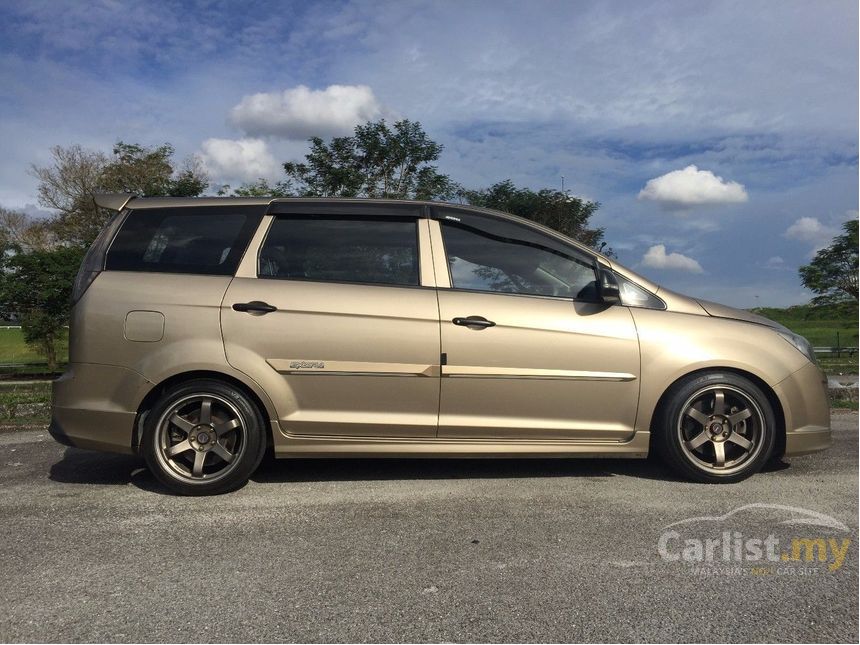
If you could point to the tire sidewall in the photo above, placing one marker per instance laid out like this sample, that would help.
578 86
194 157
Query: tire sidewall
668 443
250 459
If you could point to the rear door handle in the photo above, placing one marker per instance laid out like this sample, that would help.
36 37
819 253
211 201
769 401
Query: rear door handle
255 307
474 322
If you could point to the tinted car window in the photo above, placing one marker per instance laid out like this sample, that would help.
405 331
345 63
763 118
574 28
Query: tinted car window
341 249
183 240
485 254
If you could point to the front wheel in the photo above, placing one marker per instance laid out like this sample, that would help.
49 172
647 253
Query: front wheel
715 428
203 437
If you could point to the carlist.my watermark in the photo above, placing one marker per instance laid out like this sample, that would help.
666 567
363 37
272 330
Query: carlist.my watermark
804 542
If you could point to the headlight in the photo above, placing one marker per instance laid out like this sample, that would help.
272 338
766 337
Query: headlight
800 343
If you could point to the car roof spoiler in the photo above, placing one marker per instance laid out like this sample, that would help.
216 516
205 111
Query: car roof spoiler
113 201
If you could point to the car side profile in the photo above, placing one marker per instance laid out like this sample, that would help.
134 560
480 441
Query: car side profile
206 330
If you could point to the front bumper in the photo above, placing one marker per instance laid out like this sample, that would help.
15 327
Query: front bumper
806 407
95 406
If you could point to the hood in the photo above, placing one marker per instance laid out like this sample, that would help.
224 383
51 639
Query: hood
722 311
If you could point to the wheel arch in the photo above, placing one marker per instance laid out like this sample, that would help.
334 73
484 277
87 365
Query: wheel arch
182 377
767 390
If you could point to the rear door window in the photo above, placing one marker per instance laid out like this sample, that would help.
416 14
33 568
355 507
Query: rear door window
342 249
202 240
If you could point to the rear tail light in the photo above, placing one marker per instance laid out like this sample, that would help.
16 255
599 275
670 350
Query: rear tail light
94 260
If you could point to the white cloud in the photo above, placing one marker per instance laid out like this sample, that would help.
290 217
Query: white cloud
238 159
689 187
656 258
300 113
775 262
810 229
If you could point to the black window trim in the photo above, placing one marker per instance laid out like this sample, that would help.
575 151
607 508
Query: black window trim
345 214
348 208
438 212
121 216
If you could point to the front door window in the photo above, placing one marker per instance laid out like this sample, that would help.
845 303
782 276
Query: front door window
503 257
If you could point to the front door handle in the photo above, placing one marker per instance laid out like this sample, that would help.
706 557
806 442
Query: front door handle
255 307
474 322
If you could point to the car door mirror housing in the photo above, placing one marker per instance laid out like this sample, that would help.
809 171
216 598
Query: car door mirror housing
610 293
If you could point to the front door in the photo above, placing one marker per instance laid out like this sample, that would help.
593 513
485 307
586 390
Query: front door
530 353
338 327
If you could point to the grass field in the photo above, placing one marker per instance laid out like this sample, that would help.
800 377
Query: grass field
839 330
15 352
823 333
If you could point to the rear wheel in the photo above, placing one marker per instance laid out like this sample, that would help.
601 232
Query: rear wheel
203 437
716 428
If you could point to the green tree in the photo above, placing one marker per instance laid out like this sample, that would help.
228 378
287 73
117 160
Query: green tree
553 208
20 231
150 172
377 161
67 186
68 183
261 188
35 290
832 274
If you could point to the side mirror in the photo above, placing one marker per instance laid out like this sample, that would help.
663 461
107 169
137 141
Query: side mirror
609 290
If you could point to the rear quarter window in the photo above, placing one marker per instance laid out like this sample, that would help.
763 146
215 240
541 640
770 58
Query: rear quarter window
201 240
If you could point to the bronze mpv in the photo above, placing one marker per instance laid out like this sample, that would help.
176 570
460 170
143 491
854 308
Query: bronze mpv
206 330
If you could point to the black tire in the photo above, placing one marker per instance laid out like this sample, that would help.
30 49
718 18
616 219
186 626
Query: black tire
202 421
715 427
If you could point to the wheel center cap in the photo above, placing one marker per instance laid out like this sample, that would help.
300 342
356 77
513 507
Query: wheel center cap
716 428
203 437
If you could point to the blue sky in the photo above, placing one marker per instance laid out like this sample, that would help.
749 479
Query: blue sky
742 115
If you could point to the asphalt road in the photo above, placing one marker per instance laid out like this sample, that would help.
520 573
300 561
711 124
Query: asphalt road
91 549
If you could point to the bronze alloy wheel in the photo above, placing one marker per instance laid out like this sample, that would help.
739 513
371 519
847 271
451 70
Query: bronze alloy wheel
716 427
203 437
720 429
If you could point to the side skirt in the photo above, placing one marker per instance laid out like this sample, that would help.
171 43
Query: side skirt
362 447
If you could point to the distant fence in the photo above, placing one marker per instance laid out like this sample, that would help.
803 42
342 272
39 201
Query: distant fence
19 326
839 351
32 364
